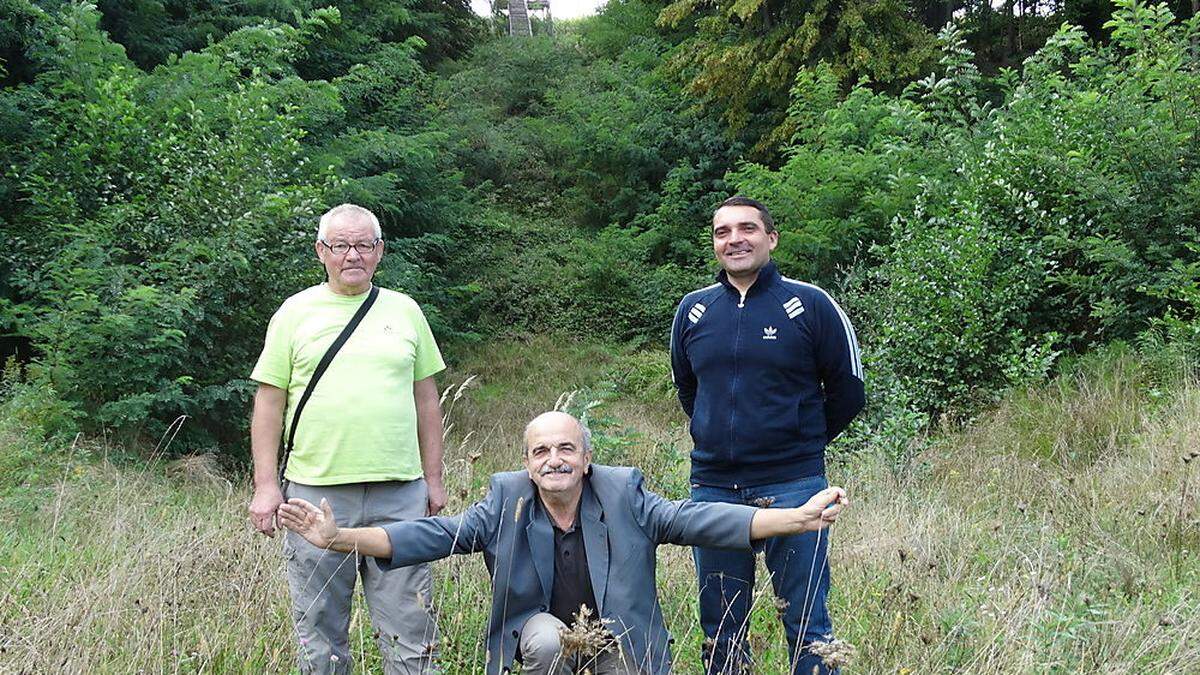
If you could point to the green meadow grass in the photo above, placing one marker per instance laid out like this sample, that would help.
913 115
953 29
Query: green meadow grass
1057 533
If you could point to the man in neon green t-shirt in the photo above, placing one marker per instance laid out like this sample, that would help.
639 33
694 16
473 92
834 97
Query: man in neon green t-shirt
369 439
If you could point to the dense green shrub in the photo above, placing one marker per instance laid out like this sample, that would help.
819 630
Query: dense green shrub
854 164
974 226
989 236
162 217
158 215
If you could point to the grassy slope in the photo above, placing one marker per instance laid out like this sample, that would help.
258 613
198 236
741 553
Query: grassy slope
1056 534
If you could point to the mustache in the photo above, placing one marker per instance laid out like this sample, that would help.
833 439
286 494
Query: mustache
565 468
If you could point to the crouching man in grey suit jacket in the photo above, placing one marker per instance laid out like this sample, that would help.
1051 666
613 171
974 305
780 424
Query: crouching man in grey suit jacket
564 534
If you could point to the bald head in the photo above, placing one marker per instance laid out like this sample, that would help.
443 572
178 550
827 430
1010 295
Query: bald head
558 423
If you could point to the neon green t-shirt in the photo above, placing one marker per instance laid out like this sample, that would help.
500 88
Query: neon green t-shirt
360 424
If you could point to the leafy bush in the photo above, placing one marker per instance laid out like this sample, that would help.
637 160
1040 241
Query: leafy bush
159 218
31 409
992 236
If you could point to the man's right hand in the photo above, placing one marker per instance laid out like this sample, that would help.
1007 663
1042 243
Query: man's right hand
263 506
314 524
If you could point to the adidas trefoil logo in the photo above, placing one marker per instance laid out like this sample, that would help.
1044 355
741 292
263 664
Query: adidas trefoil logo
769 332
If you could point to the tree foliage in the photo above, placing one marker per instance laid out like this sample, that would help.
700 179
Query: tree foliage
161 188
986 238
744 54
159 218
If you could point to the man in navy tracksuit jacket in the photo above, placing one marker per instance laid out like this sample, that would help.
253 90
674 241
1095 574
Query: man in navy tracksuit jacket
768 370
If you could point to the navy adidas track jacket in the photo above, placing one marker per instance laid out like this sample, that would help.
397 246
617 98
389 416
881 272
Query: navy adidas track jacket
767 380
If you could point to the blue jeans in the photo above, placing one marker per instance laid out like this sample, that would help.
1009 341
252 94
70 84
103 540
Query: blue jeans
727 582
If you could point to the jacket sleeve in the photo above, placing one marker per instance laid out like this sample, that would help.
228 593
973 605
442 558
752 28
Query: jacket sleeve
435 537
839 366
681 368
689 523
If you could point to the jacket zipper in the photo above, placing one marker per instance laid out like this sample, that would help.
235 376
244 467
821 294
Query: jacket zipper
737 344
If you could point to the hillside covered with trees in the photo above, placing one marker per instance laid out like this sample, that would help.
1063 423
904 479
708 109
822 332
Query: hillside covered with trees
983 197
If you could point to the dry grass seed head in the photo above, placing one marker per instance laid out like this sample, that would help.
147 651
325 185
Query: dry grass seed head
588 637
835 653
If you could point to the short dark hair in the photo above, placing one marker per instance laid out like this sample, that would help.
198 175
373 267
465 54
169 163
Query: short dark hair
742 200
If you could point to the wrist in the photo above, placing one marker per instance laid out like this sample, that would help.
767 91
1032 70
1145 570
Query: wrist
266 484
338 541
805 521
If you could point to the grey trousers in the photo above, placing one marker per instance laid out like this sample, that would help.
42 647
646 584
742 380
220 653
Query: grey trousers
541 652
322 584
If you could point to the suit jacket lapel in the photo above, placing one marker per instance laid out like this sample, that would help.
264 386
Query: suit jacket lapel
595 543
540 535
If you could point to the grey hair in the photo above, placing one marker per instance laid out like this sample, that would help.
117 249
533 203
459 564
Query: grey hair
586 433
351 210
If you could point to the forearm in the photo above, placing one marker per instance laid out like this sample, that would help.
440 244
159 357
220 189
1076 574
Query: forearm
429 428
431 452
266 427
687 401
372 541
777 523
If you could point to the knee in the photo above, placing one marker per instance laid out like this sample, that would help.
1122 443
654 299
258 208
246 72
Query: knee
540 640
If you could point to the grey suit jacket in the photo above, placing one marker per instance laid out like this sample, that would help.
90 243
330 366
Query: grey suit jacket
623 524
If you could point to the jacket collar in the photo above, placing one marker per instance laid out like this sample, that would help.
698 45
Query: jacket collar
767 276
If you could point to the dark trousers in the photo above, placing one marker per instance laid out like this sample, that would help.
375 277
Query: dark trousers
799 569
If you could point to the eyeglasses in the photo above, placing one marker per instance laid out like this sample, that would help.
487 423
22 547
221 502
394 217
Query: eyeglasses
342 248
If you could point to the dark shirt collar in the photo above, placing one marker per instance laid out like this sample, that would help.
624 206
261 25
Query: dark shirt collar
767 275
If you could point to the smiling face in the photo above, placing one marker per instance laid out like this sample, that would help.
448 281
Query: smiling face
555 456
349 273
741 240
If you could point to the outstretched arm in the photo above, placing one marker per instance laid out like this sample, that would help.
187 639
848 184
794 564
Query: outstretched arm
318 527
721 525
405 542
817 513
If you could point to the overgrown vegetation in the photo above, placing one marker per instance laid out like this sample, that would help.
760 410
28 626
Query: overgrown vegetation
1080 555
976 226
1001 204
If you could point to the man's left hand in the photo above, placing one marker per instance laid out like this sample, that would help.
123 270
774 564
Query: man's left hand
817 513
437 495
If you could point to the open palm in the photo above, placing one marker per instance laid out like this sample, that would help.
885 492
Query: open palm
316 525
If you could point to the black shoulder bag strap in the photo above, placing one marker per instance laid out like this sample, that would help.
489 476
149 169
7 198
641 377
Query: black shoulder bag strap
320 370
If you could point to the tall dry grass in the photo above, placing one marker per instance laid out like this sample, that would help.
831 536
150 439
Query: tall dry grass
1057 534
